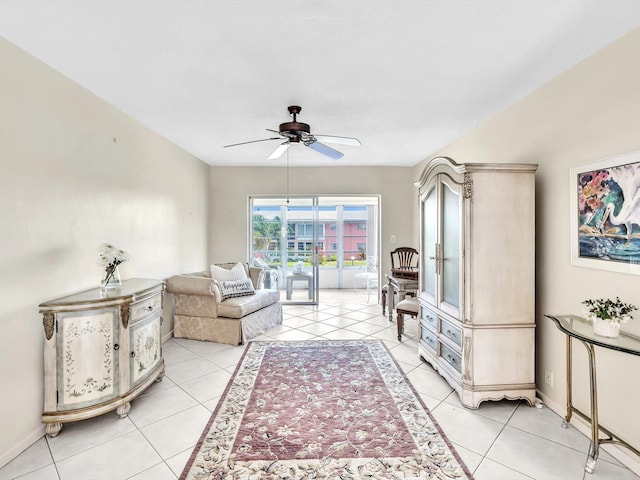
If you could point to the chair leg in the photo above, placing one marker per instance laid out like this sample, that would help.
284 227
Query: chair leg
384 300
400 325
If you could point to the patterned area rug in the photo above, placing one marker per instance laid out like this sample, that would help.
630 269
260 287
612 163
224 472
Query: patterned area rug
321 410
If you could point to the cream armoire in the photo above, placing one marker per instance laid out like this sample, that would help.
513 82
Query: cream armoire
477 278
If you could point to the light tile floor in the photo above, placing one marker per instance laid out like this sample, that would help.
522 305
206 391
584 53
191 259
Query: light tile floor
499 441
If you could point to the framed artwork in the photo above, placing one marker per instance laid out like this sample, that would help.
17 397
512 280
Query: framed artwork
605 214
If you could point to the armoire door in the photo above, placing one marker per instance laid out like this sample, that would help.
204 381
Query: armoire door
450 279
430 253
441 205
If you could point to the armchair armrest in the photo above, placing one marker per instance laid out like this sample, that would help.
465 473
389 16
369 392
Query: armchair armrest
190 285
256 274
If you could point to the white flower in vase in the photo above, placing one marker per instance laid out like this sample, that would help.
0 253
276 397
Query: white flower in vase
110 257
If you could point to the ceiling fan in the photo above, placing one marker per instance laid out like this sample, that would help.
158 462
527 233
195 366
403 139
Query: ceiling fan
298 132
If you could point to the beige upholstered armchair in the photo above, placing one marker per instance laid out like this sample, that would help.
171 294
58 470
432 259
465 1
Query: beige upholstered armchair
202 312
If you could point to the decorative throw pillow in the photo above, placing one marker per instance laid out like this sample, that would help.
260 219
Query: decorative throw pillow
233 288
222 274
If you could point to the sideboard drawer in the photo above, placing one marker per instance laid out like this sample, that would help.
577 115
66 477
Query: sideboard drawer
452 332
143 309
451 357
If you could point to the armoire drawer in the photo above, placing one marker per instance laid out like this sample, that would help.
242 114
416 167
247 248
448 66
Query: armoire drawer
452 332
429 338
143 309
451 357
429 318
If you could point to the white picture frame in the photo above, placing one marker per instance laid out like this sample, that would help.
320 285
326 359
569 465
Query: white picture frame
607 189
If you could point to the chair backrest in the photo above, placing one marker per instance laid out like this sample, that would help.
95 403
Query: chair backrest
404 259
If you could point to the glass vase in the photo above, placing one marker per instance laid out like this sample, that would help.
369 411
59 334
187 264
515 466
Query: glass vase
111 279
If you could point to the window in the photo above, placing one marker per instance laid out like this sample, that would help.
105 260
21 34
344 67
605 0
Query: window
305 230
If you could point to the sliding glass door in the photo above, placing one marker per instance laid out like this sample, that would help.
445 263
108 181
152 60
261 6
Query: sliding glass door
284 239
310 243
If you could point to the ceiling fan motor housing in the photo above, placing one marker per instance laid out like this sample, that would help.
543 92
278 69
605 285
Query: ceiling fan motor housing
294 129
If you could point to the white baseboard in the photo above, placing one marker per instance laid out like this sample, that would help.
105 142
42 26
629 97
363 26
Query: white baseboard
623 455
21 446
167 337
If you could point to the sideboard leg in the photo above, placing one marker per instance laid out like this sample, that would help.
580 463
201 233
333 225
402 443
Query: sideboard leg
53 429
123 410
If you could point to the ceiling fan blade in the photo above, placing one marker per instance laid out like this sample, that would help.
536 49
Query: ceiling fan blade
252 141
341 140
328 151
277 153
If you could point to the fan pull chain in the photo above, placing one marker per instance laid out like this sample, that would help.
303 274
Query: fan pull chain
288 176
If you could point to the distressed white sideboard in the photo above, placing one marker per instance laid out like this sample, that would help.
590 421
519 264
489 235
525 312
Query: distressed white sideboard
102 348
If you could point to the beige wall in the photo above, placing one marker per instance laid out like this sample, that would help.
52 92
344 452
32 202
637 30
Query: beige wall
589 113
66 187
231 187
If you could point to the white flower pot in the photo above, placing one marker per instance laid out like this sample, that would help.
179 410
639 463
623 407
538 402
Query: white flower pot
604 328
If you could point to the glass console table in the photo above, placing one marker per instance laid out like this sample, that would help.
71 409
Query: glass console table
582 330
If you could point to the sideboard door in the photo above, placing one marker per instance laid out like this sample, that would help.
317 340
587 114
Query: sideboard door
87 358
146 347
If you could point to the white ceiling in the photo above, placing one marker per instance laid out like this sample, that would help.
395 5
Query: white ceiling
405 77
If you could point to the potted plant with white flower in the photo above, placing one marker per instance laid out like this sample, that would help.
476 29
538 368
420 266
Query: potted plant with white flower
607 315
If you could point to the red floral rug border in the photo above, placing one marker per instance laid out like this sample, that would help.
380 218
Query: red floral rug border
432 456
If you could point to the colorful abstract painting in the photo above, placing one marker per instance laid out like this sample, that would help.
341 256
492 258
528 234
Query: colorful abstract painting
607 227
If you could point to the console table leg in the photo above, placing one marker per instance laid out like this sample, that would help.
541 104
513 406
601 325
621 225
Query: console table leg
567 418
595 440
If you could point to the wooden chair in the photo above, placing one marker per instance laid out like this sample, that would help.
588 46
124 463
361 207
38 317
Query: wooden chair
408 306
404 262
383 293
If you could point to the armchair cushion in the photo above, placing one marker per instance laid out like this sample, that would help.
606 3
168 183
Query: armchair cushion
238 307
